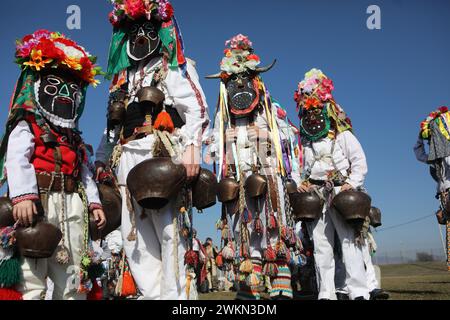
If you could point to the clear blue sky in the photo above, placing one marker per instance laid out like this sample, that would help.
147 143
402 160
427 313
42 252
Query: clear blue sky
387 80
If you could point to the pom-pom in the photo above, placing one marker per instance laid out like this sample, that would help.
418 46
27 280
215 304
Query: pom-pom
164 122
272 222
128 285
282 251
10 295
246 266
247 216
63 255
10 273
271 269
252 280
219 260
191 258
228 252
270 254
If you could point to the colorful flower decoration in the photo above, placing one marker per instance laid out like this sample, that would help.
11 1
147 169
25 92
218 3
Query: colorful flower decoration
442 117
239 57
44 49
314 90
136 9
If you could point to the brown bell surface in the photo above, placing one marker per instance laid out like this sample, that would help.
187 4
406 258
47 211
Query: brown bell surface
291 186
352 205
39 241
306 206
6 213
204 190
375 217
151 95
112 206
441 217
116 113
256 185
228 190
153 182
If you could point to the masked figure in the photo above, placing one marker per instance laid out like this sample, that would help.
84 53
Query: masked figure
333 162
435 131
45 162
256 159
157 113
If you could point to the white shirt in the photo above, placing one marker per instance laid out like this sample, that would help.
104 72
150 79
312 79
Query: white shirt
422 156
183 92
348 157
20 172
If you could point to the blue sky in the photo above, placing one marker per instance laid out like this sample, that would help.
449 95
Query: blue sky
387 80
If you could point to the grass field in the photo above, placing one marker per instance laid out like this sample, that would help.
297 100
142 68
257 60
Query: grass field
417 281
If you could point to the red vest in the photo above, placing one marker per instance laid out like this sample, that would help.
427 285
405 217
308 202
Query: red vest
44 160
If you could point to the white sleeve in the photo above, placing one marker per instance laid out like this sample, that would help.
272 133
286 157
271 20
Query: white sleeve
21 175
419 151
355 154
190 102
90 187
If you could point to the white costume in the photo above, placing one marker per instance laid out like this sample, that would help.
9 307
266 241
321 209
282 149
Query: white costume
158 272
22 181
344 154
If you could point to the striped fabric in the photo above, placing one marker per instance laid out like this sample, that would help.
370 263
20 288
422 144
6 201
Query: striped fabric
281 284
247 292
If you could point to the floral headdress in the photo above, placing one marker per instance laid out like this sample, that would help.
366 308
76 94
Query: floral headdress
44 50
316 91
239 56
130 10
136 9
442 117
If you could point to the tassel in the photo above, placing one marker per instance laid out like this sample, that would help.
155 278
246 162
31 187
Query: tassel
191 258
247 216
228 252
10 273
219 260
128 285
252 280
164 122
246 266
96 294
225 232
259 227
10 295
270 255
272 222
132 236
271 269
282 251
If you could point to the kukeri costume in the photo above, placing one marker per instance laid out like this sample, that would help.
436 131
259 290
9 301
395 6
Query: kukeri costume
253 177
157 108
44 159
332 157
435 130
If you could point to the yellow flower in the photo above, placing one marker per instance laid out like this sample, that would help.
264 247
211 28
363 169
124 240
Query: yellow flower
37 60
73 63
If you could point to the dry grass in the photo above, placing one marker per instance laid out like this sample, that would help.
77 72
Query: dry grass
417 281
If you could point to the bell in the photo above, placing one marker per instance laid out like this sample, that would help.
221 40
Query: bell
306 207
6 213
375 217
291 186
112 206
38 241
204 190
153 182
441 217
228 190
116 113
352 205
152 96
256 186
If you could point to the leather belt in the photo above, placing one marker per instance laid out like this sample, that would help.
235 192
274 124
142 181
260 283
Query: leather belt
322 183
140 133
44 181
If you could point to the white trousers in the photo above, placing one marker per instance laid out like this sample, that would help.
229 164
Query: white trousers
323 234
371 275
159 273
64 277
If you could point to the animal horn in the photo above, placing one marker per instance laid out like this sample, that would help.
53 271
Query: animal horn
214 76
265 69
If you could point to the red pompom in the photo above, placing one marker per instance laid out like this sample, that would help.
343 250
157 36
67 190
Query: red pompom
96 294
164 122
191 258
10 295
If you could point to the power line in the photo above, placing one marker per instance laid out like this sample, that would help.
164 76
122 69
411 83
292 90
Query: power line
406 223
